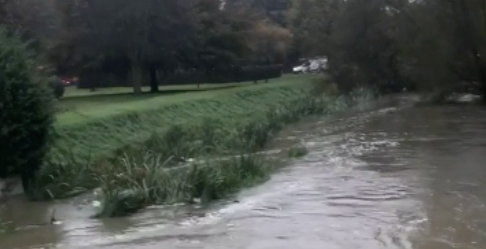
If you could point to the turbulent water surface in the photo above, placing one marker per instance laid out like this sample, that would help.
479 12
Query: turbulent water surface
397 176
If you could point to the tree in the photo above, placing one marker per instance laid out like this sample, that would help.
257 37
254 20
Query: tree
450 40
152 37
30 20
149 34
26 112
225 35
311 24
273 10
358 37
270 42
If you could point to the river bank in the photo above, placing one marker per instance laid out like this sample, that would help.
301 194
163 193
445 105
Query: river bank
133 156
97 135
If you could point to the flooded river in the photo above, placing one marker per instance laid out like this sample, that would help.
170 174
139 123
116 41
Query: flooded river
398 176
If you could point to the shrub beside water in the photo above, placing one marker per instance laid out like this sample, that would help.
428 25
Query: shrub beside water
26 111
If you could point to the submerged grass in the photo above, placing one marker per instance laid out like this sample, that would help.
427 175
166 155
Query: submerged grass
131 185
298 150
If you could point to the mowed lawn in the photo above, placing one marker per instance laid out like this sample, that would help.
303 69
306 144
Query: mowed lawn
79 106
75 92
84 98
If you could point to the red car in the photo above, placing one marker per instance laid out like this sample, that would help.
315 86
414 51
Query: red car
66 81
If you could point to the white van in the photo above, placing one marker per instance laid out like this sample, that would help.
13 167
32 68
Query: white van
311 66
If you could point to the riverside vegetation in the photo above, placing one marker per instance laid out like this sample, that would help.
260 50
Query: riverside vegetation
135 151
221 132
140 152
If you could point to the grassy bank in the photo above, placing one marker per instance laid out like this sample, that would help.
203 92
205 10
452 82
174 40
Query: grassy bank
97 131
146 175
133 147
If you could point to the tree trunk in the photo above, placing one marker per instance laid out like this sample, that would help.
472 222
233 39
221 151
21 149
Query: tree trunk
154 83
137 77
28 176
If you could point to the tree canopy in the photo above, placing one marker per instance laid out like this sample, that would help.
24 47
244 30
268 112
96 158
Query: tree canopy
429 45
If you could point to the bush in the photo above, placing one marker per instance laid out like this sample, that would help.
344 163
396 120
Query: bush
26 111
57 87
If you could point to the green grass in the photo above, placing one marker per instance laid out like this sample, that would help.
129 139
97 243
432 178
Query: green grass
95 107
75 99
101 142
137 184
97 132
146 175
72 92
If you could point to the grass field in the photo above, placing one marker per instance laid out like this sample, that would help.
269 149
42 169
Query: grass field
81 107
74 92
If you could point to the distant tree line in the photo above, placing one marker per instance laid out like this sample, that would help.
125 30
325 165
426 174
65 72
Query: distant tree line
436 46
430 45
194 77
148 40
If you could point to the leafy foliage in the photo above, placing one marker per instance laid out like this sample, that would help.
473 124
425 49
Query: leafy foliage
26 111
430 45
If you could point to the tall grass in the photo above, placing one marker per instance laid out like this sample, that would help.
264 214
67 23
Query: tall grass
151 176
133 184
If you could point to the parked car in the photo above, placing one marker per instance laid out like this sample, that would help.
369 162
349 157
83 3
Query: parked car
311 65
69 81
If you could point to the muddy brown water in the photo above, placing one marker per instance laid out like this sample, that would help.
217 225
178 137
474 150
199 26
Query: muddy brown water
397 176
